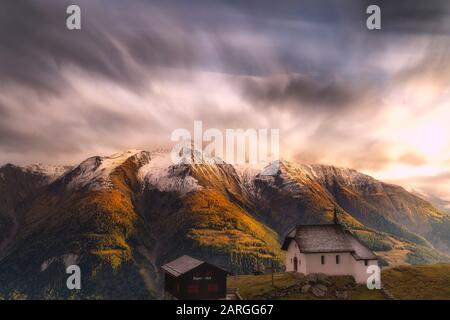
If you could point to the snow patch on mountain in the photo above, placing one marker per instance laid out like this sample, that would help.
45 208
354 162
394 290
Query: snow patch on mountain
160 173
247 173
271 169
94 172
327 175
52 172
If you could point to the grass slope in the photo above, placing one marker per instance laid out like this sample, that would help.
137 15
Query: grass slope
251 286
211 223
418 282
99 227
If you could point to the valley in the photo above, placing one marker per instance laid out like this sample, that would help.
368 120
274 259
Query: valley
123 216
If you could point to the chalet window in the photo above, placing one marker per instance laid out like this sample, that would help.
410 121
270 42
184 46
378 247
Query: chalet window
213 287
337 259
193 288
322 259
366 263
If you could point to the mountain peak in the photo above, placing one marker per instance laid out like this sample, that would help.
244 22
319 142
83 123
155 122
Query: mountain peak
124 154
50 172
94 172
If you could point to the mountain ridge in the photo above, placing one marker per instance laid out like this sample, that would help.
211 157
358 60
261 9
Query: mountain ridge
127 214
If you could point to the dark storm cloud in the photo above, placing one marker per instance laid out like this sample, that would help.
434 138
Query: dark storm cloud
310 57
305 92
43 128
30 142
118 41
35 45
414 16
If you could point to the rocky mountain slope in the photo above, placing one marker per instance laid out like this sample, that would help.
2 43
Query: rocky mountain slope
121 217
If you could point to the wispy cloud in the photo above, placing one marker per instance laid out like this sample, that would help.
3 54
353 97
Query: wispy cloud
341 94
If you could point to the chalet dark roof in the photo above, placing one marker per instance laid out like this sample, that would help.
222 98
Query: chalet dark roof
181 265
325 238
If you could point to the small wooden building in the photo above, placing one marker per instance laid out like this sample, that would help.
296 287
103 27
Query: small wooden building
189 278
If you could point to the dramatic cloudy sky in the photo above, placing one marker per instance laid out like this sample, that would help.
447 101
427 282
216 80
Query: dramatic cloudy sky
376 101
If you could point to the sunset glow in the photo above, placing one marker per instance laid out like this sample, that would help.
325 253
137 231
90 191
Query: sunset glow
377 102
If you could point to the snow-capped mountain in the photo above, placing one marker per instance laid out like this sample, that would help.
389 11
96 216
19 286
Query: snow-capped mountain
95 172
161 174
51 172
123 216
